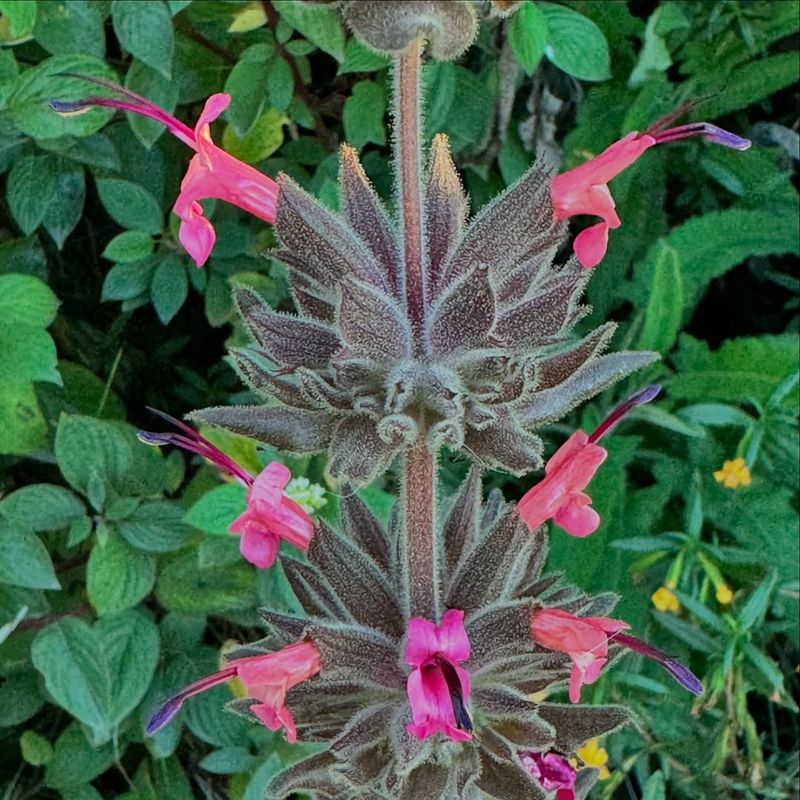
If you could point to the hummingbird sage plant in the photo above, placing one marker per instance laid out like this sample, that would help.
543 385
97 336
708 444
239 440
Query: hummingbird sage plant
427 649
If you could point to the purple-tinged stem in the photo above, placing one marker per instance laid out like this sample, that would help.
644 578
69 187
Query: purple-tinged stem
419 504
407 71
683 675
615 417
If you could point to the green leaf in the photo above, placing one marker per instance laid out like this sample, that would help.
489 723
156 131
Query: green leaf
359 58
688 633
75 761
741 368
768 670
36 750
42 507
527 36
19 18
247 86
29 98
130 205
319 24
27 301
20 698
169 288
263 138
747 84
229 761
85 446
280 84
24 560
156 527
654 55
31 187
664 312
709 245
149 83
126 281
217 509
184 586
129 246
715 414
66 206
118 577
101 673
575 44
766 525
144 29
655 788
22 426
64 27
756 606
27 354
363 115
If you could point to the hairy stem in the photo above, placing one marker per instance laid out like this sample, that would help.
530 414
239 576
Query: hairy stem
419 508
407 71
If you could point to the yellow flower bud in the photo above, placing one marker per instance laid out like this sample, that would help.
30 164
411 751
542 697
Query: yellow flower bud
664 600
734 473
724 594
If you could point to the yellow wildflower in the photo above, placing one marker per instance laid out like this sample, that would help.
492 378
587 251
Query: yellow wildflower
724 594
734 473
664 600
595 756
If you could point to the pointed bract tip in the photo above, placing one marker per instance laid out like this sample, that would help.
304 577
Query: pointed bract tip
165 714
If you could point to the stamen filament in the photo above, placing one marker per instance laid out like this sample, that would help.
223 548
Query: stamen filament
615 417
167 711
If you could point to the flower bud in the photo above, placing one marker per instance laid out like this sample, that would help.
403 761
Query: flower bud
390 26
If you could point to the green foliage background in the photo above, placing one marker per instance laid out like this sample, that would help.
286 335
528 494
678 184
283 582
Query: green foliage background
118 582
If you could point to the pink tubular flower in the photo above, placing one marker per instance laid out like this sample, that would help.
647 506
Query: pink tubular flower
553 772
560 496
585 640
270 515
213 173
266 678
584 189
438 690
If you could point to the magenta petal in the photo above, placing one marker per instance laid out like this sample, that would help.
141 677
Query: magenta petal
258 547
591 244
197 234
214 106
577 517
452 635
